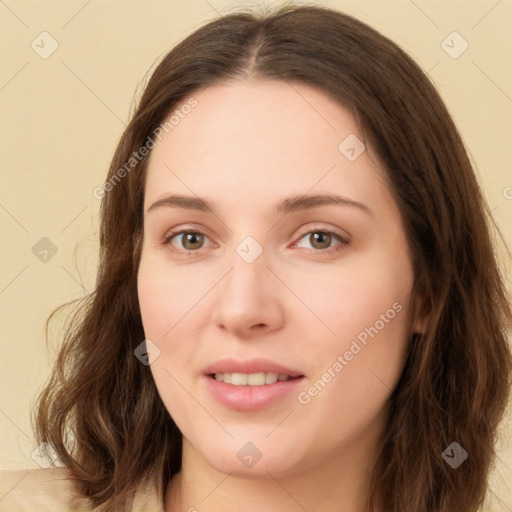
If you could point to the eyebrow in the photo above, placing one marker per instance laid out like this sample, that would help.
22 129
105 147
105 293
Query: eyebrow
289 205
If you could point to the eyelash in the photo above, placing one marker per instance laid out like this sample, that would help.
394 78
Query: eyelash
330 250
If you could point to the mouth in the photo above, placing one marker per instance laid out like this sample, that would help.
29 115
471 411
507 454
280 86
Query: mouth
253 379
251 385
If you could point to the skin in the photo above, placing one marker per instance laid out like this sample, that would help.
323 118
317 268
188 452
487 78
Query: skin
246 146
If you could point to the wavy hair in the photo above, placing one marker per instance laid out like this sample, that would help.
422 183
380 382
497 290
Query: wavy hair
455 383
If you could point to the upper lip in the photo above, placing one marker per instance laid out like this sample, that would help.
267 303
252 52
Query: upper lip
250 366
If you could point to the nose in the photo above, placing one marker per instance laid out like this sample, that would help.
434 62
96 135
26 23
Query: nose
249 299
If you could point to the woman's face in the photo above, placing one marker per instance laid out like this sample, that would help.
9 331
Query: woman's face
275 281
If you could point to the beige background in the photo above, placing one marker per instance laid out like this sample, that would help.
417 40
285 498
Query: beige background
62 116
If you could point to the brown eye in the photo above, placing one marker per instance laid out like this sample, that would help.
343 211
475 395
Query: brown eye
190 240
321 240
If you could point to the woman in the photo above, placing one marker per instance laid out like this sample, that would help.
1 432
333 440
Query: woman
297 306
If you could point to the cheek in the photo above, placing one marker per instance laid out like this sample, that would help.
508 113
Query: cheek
365 306
350 297
167 294
171 302
163 302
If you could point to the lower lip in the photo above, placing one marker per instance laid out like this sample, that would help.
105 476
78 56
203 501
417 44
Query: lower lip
250 398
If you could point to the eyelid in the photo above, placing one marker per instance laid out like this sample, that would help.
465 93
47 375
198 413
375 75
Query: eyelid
344 239
184 231
323 229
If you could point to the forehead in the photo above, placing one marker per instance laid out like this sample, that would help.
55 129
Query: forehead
249 139
272 106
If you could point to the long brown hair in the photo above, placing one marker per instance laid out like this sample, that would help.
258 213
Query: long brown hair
456 381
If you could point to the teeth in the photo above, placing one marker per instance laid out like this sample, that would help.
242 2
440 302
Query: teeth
271 377
239 379
251 379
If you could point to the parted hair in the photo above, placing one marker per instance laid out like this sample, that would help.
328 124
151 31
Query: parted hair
100 410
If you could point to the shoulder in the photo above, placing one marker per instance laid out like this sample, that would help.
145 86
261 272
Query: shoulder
52 490
41 490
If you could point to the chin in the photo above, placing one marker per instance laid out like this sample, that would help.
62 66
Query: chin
254 459
277 465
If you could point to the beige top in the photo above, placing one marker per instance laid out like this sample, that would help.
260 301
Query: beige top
50 490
